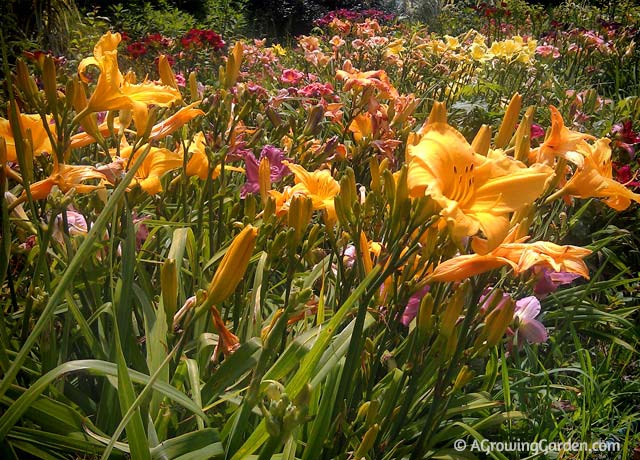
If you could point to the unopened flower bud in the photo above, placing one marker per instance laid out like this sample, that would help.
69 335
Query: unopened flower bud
233 265
482 141
508 122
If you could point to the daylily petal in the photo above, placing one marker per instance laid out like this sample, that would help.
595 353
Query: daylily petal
466 266
528 308
533 331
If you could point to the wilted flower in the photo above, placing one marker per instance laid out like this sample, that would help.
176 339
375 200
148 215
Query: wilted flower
549 280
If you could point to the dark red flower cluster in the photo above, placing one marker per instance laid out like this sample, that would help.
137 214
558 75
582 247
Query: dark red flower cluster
624 142
39 55
157 40
354 16
490 11
137 49
197 38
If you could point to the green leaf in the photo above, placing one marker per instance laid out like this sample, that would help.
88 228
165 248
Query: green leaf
94 367
136 434
202 444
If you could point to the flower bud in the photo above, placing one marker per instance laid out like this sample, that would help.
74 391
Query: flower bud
193 86
482 141
167 76
233 66
523 136
498 320
438 113
374 166
452 311
464 376
425 316
508 122
365 254
299 216
49 79
367 442
233 265
89 122
312 127
264 178
372 412
24 81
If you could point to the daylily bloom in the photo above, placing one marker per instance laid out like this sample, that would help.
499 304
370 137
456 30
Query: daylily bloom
115 92
372 79
157 163
532 330
67 177
33 122
320 186
595 179
77 225
278 168
175 121
518 255
475 193
198 164
563 142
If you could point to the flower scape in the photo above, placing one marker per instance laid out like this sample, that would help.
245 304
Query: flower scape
369 243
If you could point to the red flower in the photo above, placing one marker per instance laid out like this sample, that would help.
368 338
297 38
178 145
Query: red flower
136 49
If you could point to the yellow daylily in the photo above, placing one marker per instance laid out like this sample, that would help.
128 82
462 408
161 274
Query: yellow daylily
198 164
320 186
362 126
475 192
115 92
32 122
595 179
157 163
563 142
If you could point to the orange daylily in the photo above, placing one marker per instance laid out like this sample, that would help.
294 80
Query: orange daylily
475 192
320 186
116 92
562 142
595 179
33 122
67 177
520 256
175 121
159 130
372 79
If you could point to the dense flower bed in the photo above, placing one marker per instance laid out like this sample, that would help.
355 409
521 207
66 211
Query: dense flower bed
347 245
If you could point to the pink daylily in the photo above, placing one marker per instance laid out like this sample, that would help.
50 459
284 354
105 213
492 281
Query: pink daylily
532 330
